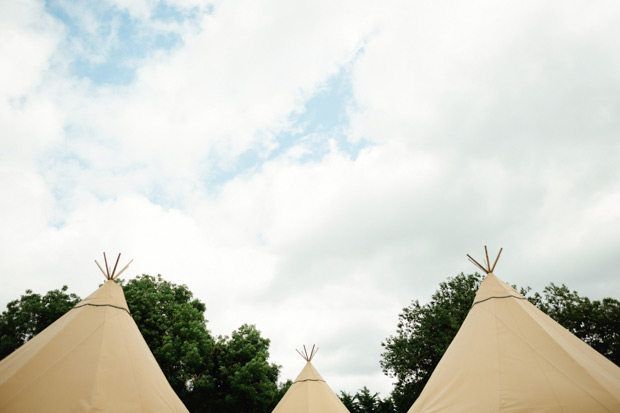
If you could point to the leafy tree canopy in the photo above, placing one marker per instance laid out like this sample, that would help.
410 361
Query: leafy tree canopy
172 323
423 334
245 381
31 314
366 402
209 374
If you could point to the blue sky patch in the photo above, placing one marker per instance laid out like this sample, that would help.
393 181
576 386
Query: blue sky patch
106 45
324 118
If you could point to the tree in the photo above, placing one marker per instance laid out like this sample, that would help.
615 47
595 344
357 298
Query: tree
424 332
282 389
242 378
31 314
209 374
348 400
366 402
173 325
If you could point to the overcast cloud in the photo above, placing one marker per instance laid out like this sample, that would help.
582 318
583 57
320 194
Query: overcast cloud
310 167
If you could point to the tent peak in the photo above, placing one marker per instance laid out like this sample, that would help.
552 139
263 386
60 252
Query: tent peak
305 355
111 275
488 269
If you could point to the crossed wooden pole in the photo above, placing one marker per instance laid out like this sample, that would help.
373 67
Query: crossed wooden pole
488 268
110 275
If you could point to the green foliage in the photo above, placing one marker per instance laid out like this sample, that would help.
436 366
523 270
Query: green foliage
243 379
423 334
31 314
173 325
365 402
283 388
210 375
348 400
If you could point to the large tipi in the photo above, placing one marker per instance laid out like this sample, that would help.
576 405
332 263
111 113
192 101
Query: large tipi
309 393
509 356
93 358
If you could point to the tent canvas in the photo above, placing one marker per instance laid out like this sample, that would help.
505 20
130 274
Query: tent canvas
93 358
509 356
309 393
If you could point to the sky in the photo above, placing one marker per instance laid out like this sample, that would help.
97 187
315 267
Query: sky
310 167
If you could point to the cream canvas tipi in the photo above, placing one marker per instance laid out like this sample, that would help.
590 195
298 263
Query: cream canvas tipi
509 356
309 393
93 358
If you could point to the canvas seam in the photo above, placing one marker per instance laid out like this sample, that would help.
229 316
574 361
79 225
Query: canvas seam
97 367
569 354
133 370
537 362
499 366
65 355
554 366
165 400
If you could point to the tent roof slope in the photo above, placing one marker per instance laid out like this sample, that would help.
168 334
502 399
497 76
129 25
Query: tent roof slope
106 295
309 393
493 287
509 356
93 358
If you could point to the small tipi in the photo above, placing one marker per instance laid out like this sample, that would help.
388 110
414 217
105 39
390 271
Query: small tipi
309 393
93 358
509 356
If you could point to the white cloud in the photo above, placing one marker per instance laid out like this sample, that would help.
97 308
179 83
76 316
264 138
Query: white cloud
231 88
29 39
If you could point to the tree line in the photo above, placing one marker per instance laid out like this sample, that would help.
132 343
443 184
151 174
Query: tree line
232 373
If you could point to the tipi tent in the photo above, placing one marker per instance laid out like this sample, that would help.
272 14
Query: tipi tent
93 358
309 393
509 356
